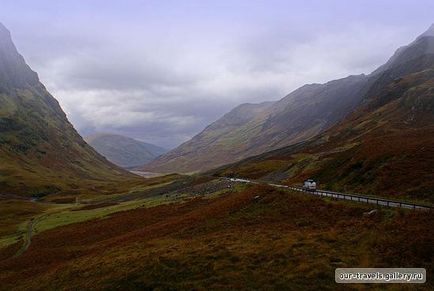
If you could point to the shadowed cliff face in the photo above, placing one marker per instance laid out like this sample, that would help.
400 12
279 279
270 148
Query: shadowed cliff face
252 129
41 153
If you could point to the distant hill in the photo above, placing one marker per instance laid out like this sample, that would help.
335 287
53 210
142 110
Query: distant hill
40 151
252 129
124 151
386 145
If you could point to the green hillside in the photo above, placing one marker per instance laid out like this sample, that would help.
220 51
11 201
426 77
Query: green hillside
40 151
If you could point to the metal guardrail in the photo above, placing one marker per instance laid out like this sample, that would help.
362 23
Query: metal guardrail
362 198
351 197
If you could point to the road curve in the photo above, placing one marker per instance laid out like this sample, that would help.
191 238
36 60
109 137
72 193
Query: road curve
338 195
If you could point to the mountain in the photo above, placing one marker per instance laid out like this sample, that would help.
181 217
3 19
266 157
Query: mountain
386 145
40 151
420 49
251 129
124 151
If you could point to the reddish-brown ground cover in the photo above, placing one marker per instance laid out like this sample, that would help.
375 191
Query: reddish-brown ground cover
280 240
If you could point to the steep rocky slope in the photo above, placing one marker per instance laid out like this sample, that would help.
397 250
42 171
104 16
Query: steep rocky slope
40 151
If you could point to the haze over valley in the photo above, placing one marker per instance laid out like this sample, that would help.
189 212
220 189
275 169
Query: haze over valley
235 145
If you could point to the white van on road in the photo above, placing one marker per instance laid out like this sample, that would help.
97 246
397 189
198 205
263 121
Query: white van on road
309 184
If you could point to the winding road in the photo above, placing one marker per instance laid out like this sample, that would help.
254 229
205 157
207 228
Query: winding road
338 195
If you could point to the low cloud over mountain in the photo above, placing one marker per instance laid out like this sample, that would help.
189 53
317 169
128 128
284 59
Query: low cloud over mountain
124 72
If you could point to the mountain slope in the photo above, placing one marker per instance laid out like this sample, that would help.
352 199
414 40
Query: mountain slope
124 151
386 145
299 116
251 129
40 151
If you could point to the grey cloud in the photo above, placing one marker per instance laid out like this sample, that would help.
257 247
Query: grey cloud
165 100
161 72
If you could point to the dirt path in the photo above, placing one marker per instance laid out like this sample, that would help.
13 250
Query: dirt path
29 233
27 239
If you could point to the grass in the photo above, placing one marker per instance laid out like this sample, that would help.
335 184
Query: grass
281 240
73 214
14 216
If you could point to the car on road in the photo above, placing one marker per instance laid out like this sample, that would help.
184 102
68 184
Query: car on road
309 185
239 180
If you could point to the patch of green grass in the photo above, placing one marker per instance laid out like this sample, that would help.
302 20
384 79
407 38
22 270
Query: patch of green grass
72 215
14 217
235 188
10 239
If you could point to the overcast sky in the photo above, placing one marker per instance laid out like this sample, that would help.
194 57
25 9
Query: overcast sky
160 71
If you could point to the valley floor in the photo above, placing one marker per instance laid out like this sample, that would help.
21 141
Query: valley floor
209 234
